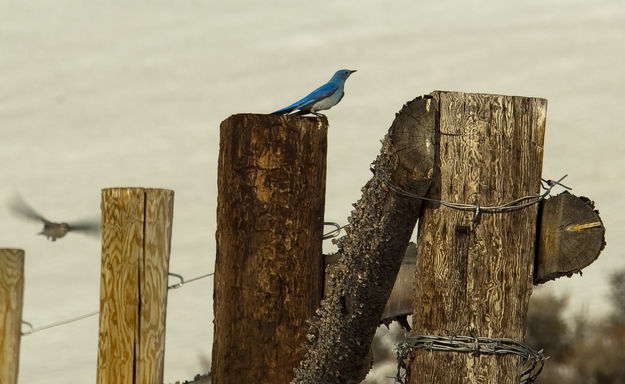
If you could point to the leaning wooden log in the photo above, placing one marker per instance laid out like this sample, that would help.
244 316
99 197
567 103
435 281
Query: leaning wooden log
399 303
571 237
372 251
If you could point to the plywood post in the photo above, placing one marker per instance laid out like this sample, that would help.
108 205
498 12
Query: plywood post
136 239
268 270
11 302
474 272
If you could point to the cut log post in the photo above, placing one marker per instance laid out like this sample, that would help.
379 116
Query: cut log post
268 270
372 251
136 242
571 237
474 272
11 302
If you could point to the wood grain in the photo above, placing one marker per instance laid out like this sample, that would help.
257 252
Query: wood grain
476 279
136 231
571 237
11 303
153 276
268 270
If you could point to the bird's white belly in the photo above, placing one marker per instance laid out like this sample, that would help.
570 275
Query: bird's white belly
327 103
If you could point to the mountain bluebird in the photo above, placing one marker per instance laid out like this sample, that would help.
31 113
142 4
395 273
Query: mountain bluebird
50 229
322 98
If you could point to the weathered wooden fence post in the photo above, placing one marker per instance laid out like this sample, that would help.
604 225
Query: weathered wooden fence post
136 238
268 271
474 271
11 295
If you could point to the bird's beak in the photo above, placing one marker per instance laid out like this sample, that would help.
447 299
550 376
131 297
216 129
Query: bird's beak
352 71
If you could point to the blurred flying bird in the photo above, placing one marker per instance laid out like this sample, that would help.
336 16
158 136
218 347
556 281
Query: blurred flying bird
322 98
52 230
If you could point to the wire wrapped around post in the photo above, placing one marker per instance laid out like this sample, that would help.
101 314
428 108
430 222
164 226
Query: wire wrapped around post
533 360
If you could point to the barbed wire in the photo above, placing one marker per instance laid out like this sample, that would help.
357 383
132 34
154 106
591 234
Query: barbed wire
547 185
521 202
32 329
533 360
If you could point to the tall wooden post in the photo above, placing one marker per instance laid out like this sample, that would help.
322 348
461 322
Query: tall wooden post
136 238
11 299
474 274
268 271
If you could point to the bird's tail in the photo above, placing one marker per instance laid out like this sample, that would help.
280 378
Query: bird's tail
283 111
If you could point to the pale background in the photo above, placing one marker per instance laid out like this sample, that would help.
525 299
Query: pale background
96 95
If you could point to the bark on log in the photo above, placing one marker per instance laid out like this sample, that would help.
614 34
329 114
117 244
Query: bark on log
475 279
400 302
268 271
371 252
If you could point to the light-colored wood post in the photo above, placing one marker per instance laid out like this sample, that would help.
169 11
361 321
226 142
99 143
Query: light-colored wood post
268 271
136 238
11 299
474 273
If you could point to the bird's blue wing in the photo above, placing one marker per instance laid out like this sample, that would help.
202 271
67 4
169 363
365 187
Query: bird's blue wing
320 93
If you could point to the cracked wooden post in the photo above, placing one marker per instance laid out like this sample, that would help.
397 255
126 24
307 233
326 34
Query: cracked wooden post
136 242
475 278
11 302
372 251
268 270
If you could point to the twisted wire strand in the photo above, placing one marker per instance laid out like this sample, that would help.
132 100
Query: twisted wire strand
515 204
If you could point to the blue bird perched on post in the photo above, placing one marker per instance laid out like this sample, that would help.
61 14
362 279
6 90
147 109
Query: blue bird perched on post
322 98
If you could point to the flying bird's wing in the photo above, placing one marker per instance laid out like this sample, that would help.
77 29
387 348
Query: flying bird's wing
19 207
87 226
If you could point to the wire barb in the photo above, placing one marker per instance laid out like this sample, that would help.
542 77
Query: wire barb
551 183
477 215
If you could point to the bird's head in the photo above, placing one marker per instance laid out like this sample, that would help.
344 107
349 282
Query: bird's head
343 74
